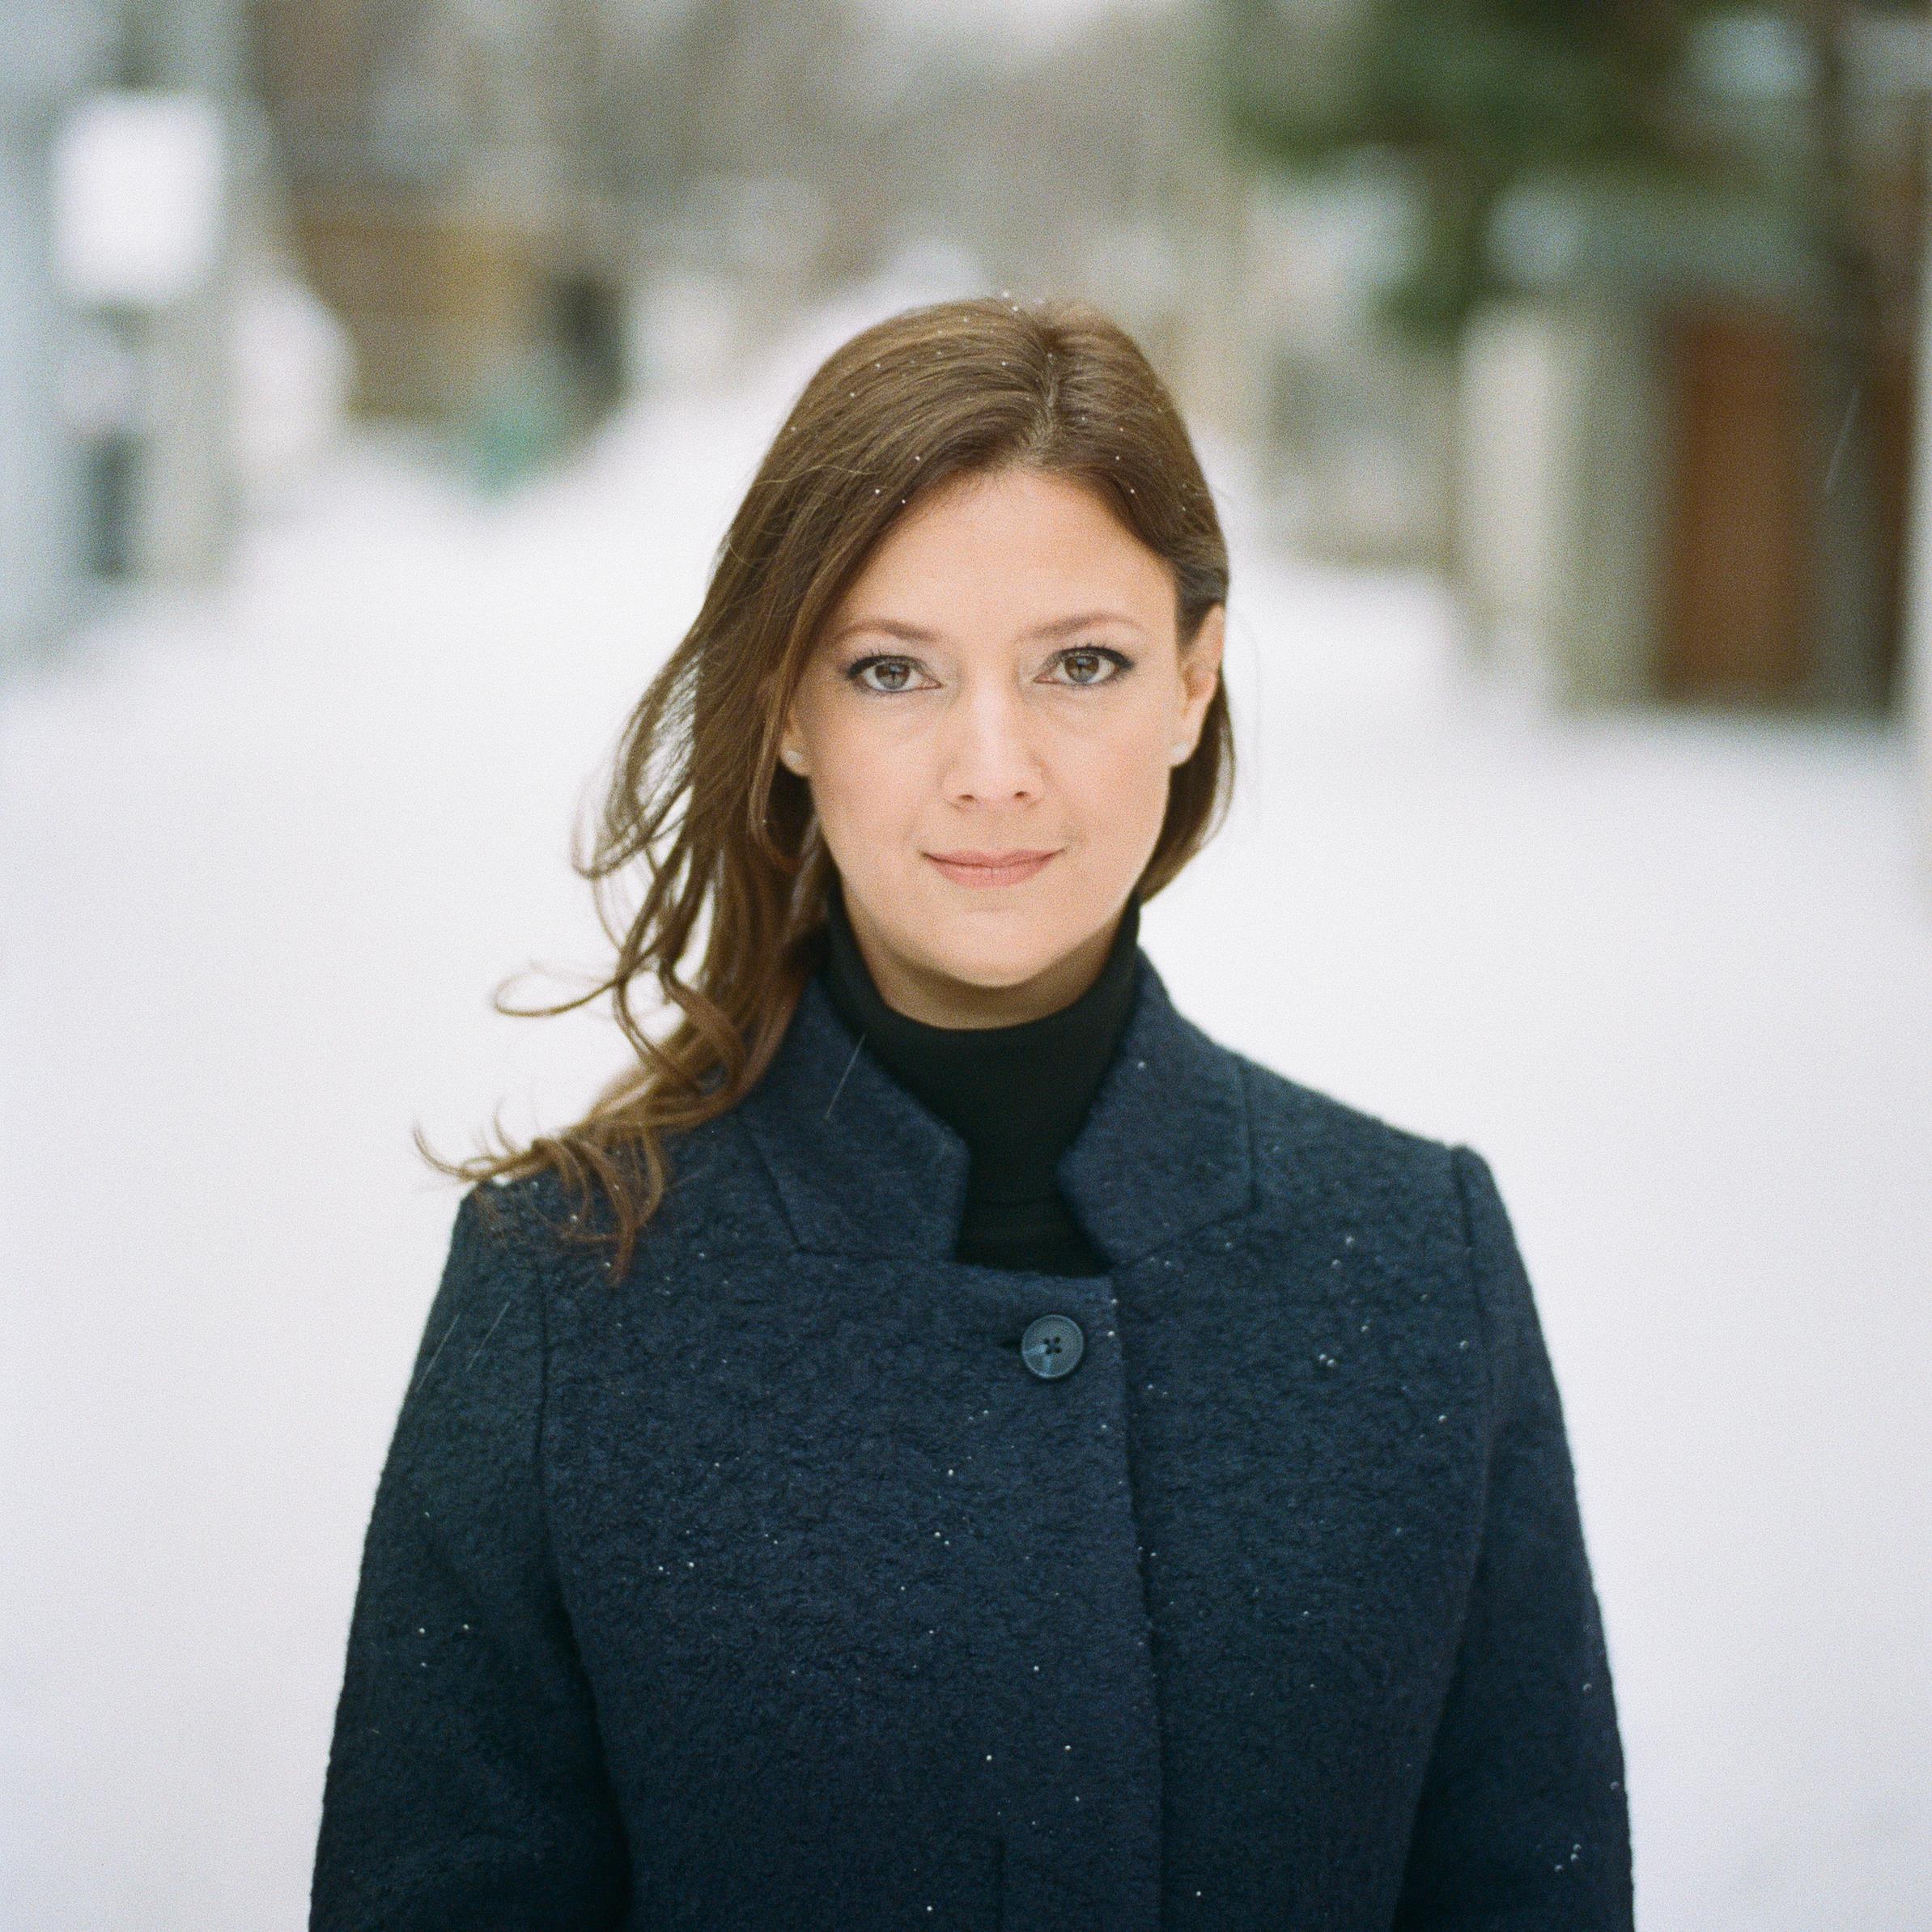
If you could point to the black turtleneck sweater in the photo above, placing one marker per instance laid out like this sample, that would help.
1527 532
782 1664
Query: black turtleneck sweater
1015 1095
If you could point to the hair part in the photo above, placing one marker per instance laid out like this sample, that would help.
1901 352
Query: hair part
737 870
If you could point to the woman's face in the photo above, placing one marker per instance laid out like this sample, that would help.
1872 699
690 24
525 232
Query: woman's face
988 724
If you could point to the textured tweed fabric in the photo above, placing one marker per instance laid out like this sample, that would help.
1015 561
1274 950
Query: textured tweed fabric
770 1588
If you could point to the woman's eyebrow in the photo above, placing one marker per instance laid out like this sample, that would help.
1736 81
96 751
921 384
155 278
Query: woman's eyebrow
1081 620
915 634
910 633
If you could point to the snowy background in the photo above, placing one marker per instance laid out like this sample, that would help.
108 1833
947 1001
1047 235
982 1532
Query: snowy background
266 851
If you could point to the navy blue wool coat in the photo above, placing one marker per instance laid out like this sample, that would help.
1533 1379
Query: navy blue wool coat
769 1587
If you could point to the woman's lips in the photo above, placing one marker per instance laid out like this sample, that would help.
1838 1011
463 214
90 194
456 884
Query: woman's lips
990 869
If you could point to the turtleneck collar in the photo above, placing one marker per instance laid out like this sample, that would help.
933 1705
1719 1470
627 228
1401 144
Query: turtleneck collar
1017 1095
862 1169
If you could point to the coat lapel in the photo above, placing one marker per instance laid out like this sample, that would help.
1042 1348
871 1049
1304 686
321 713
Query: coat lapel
862 1168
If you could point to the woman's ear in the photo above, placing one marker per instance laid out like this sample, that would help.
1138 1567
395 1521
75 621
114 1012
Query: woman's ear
1200 673
792 748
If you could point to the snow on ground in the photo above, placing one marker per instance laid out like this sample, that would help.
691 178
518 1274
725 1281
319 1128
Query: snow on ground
264 853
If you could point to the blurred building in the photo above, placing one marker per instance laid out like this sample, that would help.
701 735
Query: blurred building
160 363
148 205
459 190
49 53
1666 452
1356 428
1669 533
499 198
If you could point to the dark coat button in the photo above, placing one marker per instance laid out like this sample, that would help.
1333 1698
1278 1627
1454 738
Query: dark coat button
1052 1346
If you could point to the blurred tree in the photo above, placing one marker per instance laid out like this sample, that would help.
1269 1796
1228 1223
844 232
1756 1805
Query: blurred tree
1480 95
1847 654
1477 94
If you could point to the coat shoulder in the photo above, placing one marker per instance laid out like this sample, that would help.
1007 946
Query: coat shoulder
717 1195
1309 1143
520 1224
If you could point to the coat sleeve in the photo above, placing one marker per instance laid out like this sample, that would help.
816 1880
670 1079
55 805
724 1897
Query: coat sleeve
1523 1824
465 1789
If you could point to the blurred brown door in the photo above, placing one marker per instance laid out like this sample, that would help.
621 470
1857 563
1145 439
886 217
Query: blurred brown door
1740 573
1737 575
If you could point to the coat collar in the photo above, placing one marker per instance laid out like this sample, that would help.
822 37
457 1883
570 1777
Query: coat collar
863 1168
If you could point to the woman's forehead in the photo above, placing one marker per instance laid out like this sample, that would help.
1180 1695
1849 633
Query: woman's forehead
1043 548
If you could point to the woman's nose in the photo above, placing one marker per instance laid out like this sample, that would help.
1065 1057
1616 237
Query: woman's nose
991 755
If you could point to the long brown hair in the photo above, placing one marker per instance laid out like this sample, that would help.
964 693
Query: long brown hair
725 832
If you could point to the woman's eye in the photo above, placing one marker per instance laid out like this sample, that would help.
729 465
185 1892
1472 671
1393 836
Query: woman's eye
895 673
1089 665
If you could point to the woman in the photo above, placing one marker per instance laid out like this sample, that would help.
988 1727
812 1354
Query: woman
943 1442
